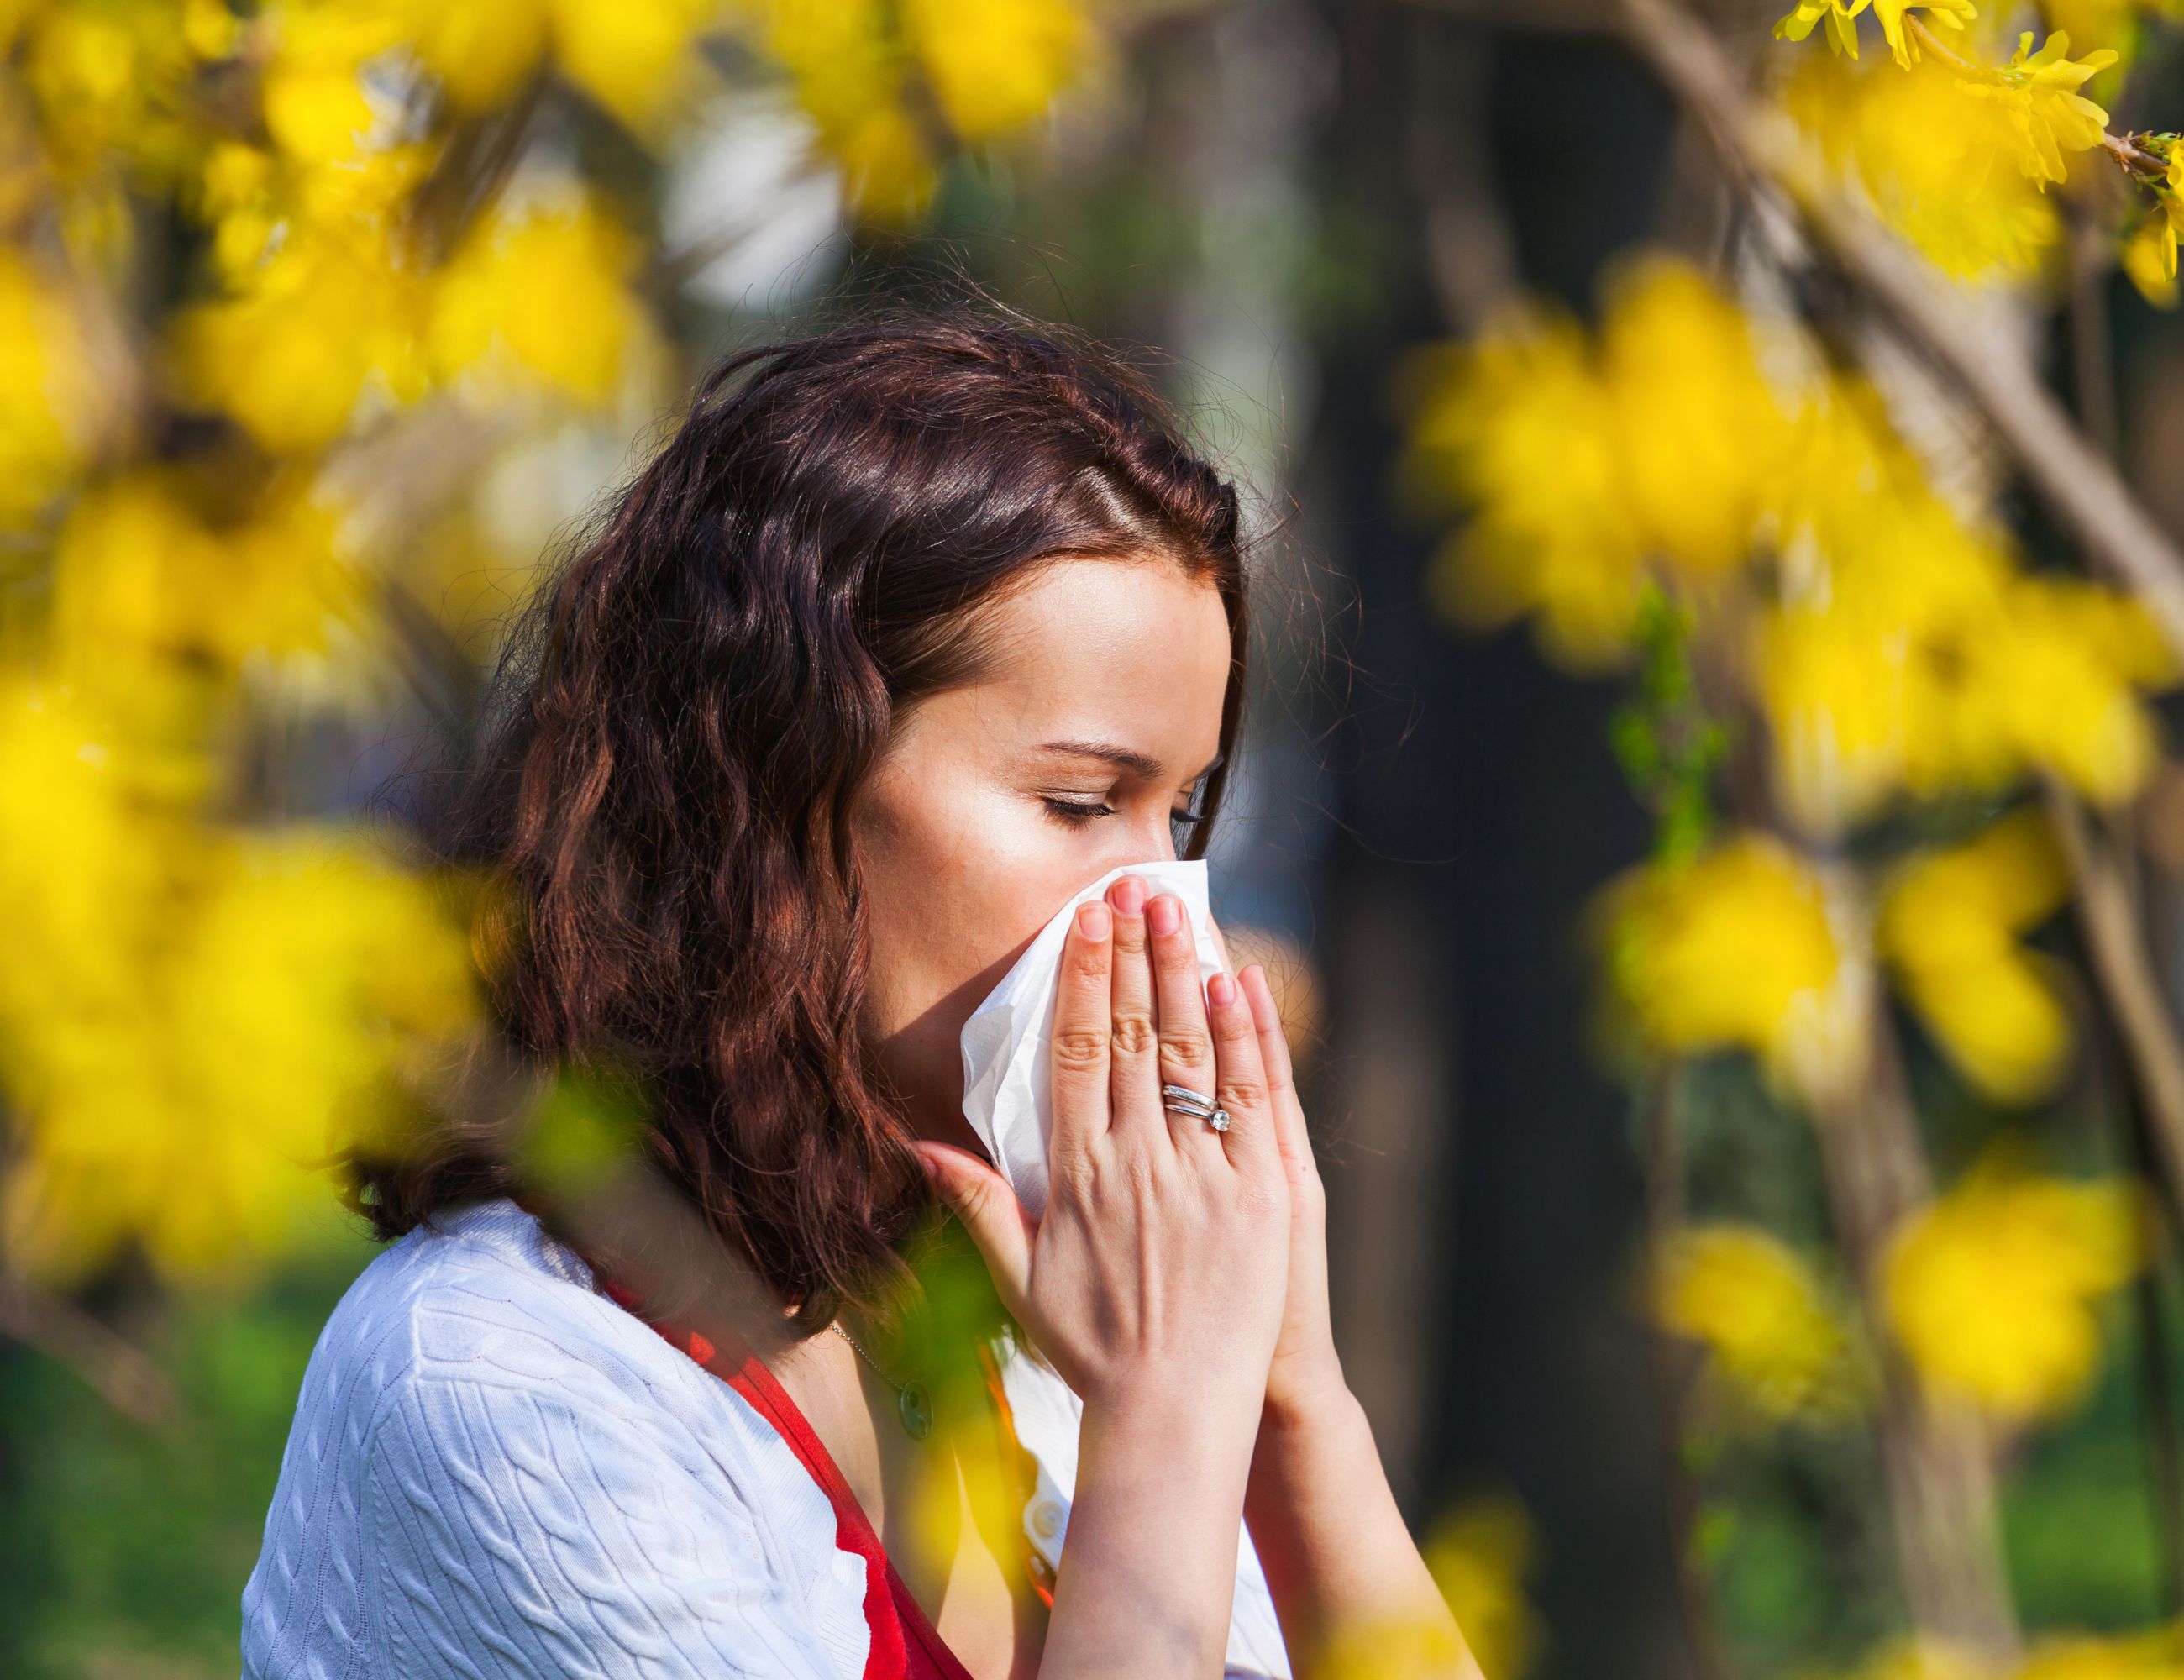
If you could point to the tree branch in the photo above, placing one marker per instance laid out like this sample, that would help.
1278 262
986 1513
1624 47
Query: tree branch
124 1376
2081 488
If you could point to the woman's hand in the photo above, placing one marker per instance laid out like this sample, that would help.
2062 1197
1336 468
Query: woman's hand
1305 1373
1161 1263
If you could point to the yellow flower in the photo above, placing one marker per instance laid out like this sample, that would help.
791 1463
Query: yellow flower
1697 432
2155 1654
50 407
139 576
1743 948
1585 463
1905 652
322 321
1480 1551
2039 91
1950 922
1859 661
2057 672
997 64
1990 1289
1520 426
2150 258
1939 157
180 1086
1841 21
1754 1303
1951 13
2163 229
544 293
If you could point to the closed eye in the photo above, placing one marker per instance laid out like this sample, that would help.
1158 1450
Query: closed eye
1078 812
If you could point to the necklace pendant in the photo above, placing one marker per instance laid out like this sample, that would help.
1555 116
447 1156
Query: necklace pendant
917 1411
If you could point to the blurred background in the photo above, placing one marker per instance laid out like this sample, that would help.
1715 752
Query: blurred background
1711 794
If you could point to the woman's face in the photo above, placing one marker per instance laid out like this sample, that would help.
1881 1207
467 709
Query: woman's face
991 808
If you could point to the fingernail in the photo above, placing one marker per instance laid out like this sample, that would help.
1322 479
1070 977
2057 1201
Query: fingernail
1222 989
1129 895
1092 921
1164 914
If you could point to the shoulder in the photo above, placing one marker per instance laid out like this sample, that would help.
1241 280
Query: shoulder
485 1447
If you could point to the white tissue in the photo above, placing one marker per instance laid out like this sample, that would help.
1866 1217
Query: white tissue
1007 1053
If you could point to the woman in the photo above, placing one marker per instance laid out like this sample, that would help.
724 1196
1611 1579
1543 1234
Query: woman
912 630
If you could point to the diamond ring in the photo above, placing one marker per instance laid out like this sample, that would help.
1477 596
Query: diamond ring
1182 1099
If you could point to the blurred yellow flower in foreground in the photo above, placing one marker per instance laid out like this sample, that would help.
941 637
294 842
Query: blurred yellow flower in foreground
997 64
2157 1654
633 56
177 1077
1949 926
541 293
1480 1550
1990 1289
304 335
869 73
1754 1304
48 395
140 576
1742 947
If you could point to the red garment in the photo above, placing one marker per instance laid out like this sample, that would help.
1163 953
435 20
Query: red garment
905 1643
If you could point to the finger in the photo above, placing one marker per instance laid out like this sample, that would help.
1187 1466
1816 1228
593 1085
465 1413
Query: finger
1290 1130
1079 1048
1239 1081
998 1224
1133 1054
1185 1037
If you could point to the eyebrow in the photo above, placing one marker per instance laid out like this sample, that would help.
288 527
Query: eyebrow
1128 758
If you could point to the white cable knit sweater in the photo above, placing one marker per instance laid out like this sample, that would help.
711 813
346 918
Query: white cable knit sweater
496 1470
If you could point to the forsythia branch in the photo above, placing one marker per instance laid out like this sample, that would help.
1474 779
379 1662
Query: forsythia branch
2079 484
2144 168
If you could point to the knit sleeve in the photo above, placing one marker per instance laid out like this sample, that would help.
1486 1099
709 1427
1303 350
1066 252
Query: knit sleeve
527 1531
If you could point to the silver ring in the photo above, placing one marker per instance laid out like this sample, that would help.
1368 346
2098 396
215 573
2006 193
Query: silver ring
1182 1099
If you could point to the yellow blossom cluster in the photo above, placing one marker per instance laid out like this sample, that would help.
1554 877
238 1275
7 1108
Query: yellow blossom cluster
1935 160
1949 924
1895 645
1991 1290
891 87
1745 947
1589 461
1752 1302
358 206
1934 152
1907 651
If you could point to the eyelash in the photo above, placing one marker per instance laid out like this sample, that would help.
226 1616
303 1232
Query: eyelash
1075 813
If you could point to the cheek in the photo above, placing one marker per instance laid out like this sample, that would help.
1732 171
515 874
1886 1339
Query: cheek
957 886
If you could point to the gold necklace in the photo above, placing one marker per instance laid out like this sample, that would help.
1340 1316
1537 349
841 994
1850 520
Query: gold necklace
912 1404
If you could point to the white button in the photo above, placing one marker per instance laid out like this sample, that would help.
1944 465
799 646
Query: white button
1046 1518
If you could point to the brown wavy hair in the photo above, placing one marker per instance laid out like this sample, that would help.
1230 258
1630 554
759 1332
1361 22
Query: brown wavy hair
682 714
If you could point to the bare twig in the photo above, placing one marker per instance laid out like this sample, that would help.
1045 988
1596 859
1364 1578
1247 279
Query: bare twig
125 1377
2083 489
1937 1460
2110 923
